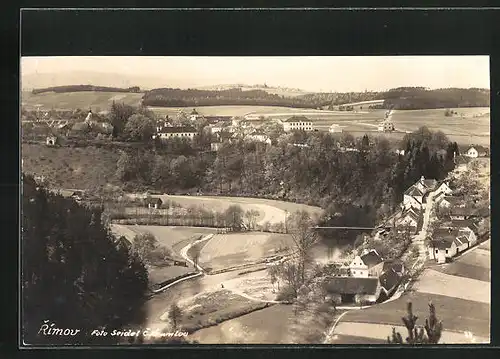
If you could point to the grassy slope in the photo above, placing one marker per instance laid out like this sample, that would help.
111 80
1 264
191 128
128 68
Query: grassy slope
83 100
68 167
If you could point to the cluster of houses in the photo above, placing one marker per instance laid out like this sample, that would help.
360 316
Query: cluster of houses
366 280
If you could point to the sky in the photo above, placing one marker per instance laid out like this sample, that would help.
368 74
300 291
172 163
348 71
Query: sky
325 74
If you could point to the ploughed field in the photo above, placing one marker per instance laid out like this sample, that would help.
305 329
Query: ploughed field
460 291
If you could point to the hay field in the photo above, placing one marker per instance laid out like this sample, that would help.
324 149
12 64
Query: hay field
98 101
229 250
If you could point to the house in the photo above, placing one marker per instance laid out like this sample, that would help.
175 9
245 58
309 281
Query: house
51 140
194 115
386 126
477 151
413 197
443 249
153 202
462 213
400 152
374 263
335 128
396 265
409 218
187 132
258 136
77 195
461 163
297 123
451 201
357 268
443 188
389 282
353 290
468 228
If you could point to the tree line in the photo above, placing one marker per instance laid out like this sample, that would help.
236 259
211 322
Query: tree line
80 88
74 273
398 98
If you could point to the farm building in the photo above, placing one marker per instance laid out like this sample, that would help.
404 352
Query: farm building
153 203
297 123
335 128
353 290
357 268
389 282
187 132
444 249
477 151
396 265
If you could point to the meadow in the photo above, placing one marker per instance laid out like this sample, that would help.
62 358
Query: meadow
230 250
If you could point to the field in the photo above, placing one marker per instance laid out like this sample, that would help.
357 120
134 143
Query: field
271 211
462 301
229 250
80 167
98 101
210 308
168 237
235 110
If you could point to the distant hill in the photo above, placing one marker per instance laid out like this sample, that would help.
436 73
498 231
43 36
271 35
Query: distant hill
273 90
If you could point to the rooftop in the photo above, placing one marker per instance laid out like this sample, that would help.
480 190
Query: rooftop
389 279
414 191
352 285
179 129
297 119
371 258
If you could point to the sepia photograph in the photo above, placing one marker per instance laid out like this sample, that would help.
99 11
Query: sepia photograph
320 200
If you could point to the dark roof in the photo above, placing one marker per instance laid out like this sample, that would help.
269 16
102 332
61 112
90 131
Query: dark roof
455 199
352 285
445 232
462 211
395 265
297 119
371 258
178 129
463 223
153 200
409 213
444 243
414 191
479 149
429 183
389 279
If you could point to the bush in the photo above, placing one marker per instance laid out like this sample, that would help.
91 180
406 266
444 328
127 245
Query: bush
286 294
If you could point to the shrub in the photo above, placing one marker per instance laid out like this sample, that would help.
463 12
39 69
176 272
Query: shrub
286 294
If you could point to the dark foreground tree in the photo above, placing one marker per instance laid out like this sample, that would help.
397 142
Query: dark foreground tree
74 273
429 334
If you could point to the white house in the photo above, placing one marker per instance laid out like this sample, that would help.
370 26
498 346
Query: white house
476 151
443 249
297 123
187 132
443 188
451 201
194 115
413 196
335 128
358 268
408 218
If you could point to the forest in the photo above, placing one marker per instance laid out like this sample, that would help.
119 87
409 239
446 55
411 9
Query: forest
74 274
80 88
